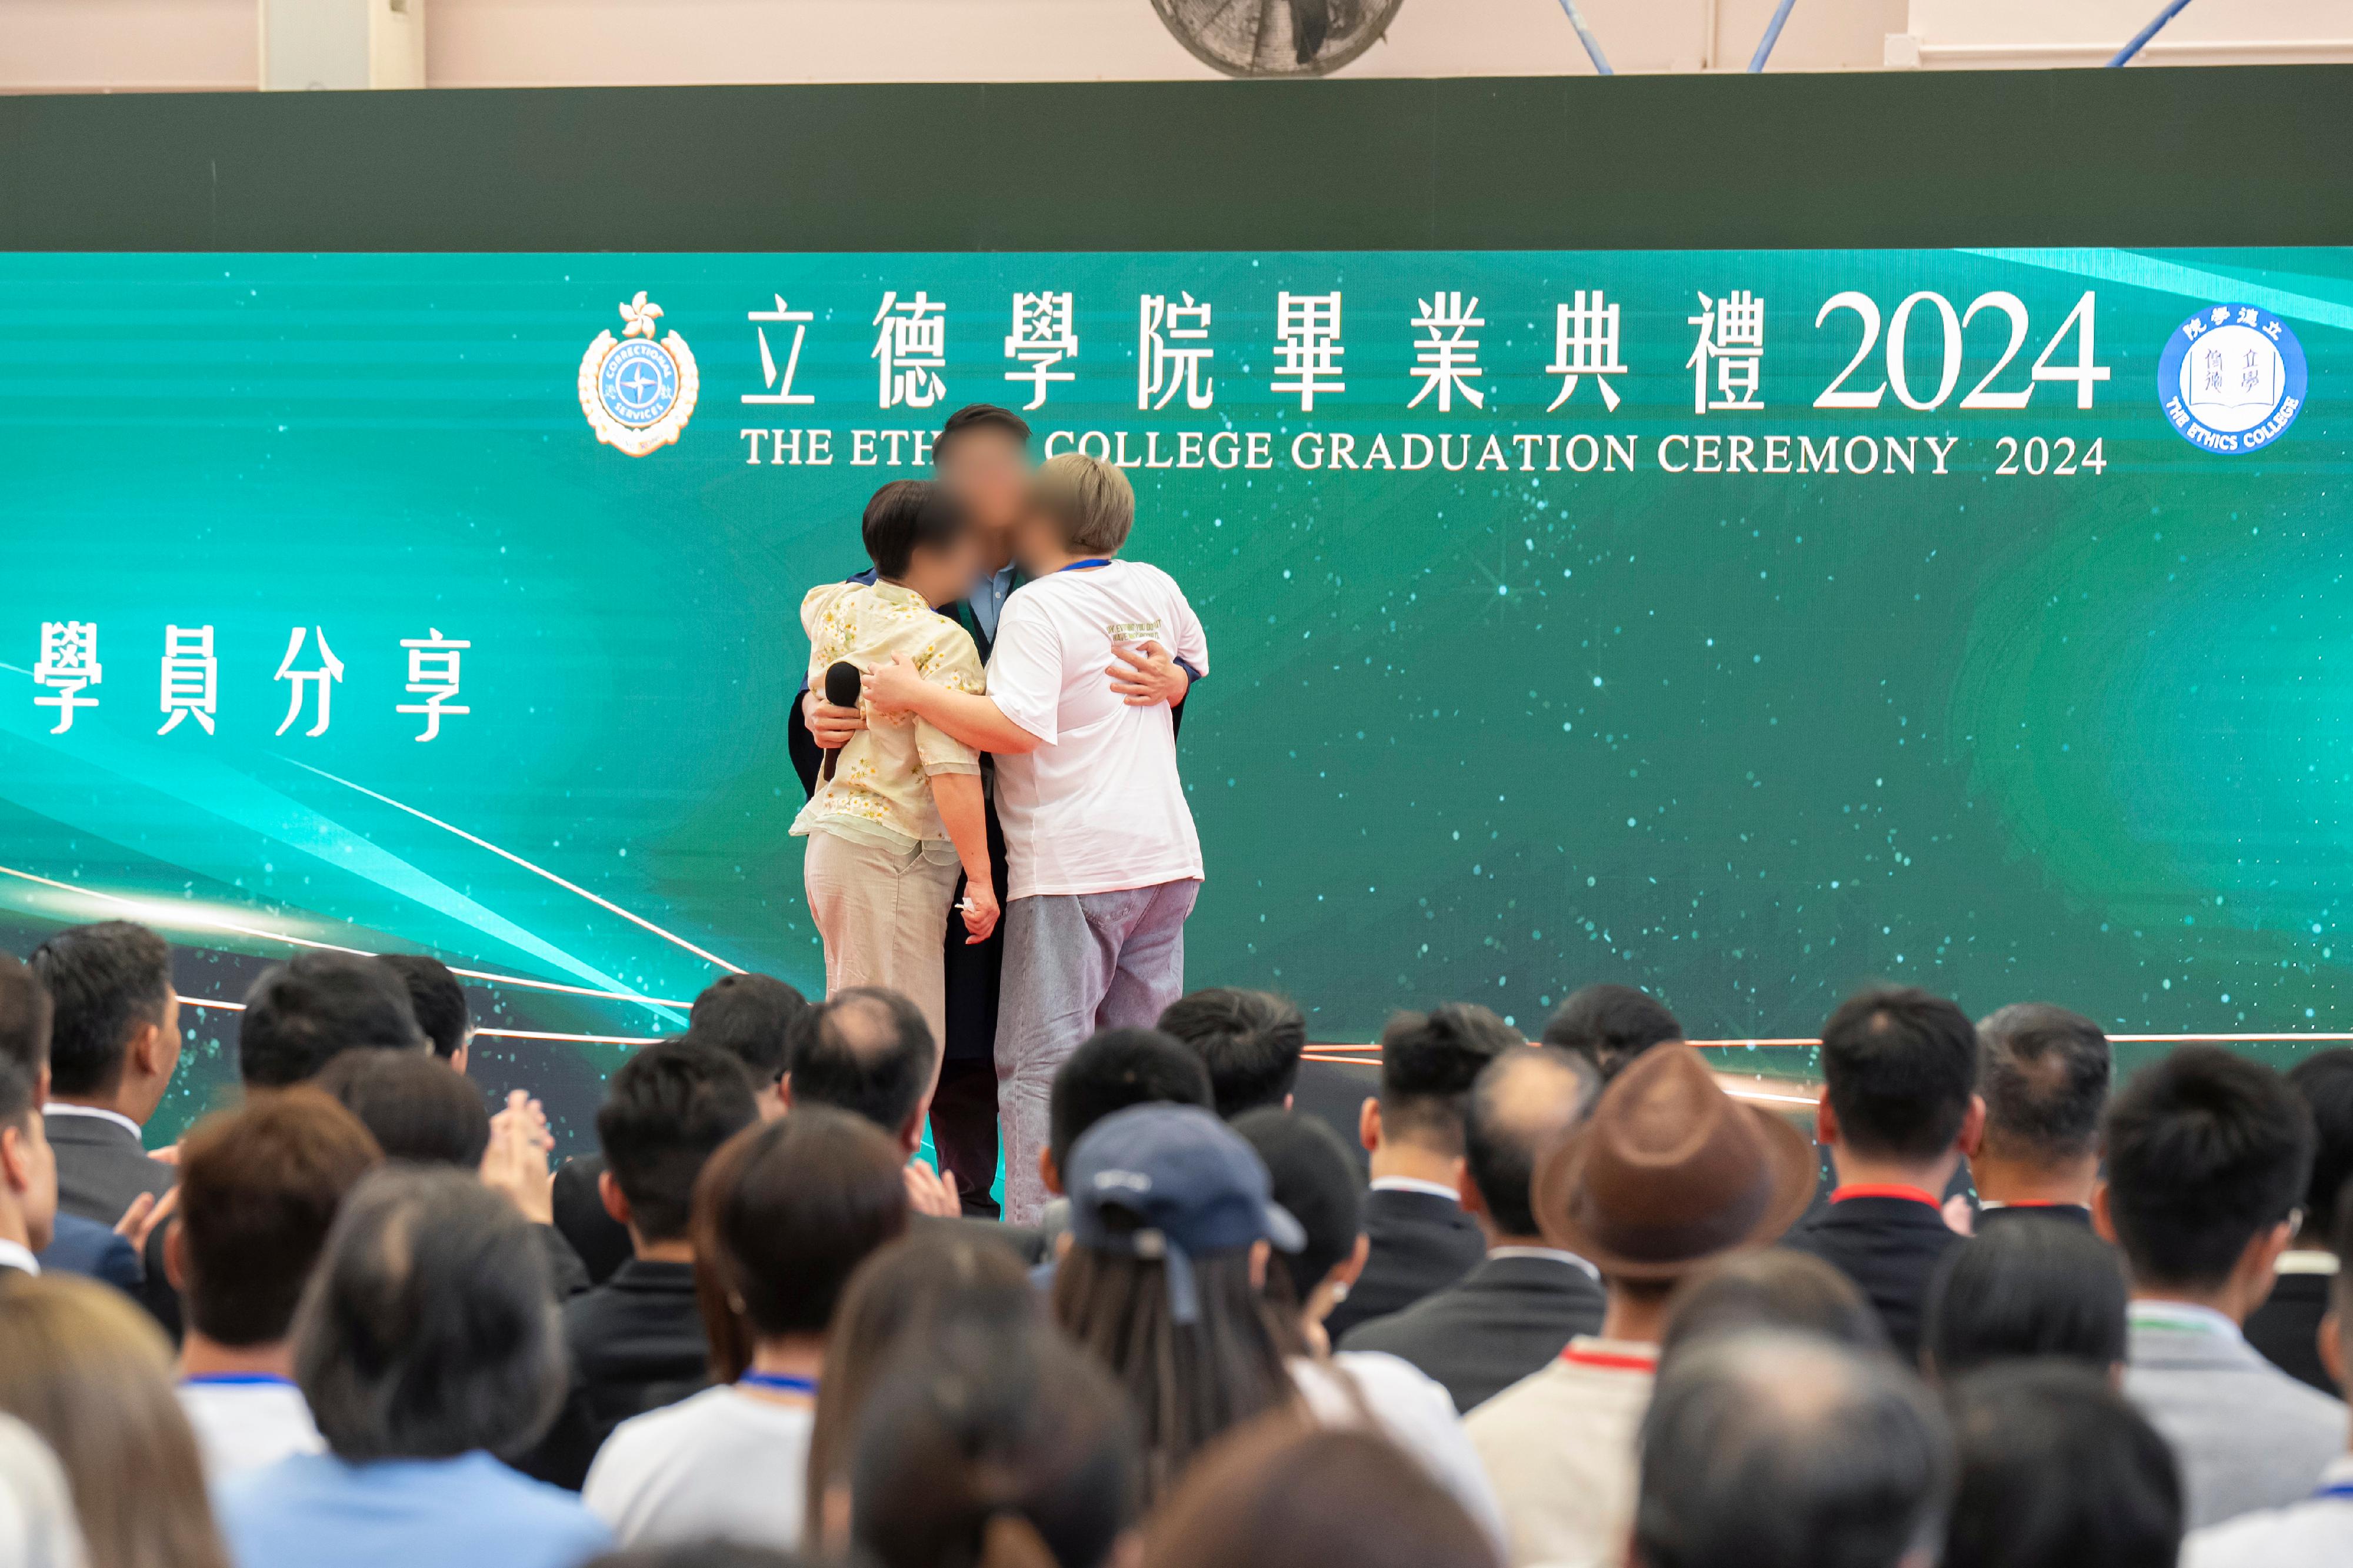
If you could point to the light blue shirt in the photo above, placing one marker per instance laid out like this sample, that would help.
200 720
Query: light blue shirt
467 1512
987 599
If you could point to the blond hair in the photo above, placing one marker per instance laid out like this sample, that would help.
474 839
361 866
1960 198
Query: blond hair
1089 499
88 1371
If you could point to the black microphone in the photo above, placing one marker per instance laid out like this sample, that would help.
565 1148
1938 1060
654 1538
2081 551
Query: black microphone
842 683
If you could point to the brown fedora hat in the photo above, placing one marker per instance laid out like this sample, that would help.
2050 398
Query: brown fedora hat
1670 1171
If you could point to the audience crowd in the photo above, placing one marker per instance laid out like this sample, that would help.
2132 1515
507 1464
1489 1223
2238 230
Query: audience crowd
1573 1302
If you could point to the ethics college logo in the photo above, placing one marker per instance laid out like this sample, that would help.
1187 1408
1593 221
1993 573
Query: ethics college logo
639 393
2231 379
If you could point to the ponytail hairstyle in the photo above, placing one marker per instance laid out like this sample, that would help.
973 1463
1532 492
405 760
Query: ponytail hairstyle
999 1446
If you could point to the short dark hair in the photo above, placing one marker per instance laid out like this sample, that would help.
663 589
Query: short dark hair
301 1013
25 1013
1113 1070
1316 1181
1249 1040
1609 1025
713 1553
1899 1067
260 1186
19 1089
1429 1061
1521 1104
2058 1470
413 1105
906 516
2323 1081
665 1112
2046 1073
437 999
2206 1150
975 416
867 1051
752 1018
784 1213
1285 1492
106 980
429 1328
1770 1291
1776 1450
2035 1285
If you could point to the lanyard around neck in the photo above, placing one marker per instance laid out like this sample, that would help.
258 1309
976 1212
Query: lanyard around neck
780 1383
1088 564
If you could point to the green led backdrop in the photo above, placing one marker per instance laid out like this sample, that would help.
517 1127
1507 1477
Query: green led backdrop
1855 613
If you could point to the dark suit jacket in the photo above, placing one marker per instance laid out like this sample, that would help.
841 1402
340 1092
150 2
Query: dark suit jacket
2286 1328
1422 1243
102 1168
1507 1318
84 1246
601 1241
637 1344
1890 1247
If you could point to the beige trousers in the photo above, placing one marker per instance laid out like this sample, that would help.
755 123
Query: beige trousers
884 915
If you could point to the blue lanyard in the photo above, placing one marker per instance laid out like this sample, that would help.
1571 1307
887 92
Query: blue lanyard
1084 565
236 1380
780 1382
2342 1490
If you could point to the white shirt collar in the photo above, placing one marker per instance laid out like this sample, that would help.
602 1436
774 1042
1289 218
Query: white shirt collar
58 1107
2184 1316
1415 1185
1554 1253
16 1255
2306 1262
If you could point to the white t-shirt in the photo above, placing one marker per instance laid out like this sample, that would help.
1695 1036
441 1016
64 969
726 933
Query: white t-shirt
723 1463
1412 1410
244 1423
1098 806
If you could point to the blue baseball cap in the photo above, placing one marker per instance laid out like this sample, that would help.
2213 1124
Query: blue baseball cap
1185 1184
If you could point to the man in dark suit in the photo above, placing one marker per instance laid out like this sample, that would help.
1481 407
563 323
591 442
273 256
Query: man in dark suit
1421 1240
1899 1112
636 1341
2286 1327
2046 1076
1512 1313
113 1047
28 1171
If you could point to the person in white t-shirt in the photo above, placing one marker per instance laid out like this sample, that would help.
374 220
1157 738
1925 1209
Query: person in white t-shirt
1103 859
784 1213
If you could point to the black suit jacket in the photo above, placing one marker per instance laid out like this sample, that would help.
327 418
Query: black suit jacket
637 1344
101 1169
2286 1328
1422 1243
1890 1247
1507 1318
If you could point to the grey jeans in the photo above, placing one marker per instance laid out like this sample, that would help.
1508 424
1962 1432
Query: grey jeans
1075 962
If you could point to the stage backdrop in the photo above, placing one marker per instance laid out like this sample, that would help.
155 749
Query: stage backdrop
1741 624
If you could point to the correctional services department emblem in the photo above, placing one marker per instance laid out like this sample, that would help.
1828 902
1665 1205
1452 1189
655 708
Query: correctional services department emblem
639 392
2231 379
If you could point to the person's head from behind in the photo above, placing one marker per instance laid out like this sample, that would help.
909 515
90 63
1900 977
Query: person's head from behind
2058 1470
1788 1451
302 1014
115 1036
1111 1070
711 1553
1314 1180
908 1294
92 1376
28 1169
752 1018
415 1107
1249 1040
2208 1154
1171 1226
784 1213
2323 1081
38 1526
666 1112
427 1330
1279 1493
2046 1073
2337 1333
259 1189
1609 1025
439 1002
2032 1286
1772 1291
866 1051
920 537
1899 1087
1521 1104
1079 507
1429 1061
982 456
993 1448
